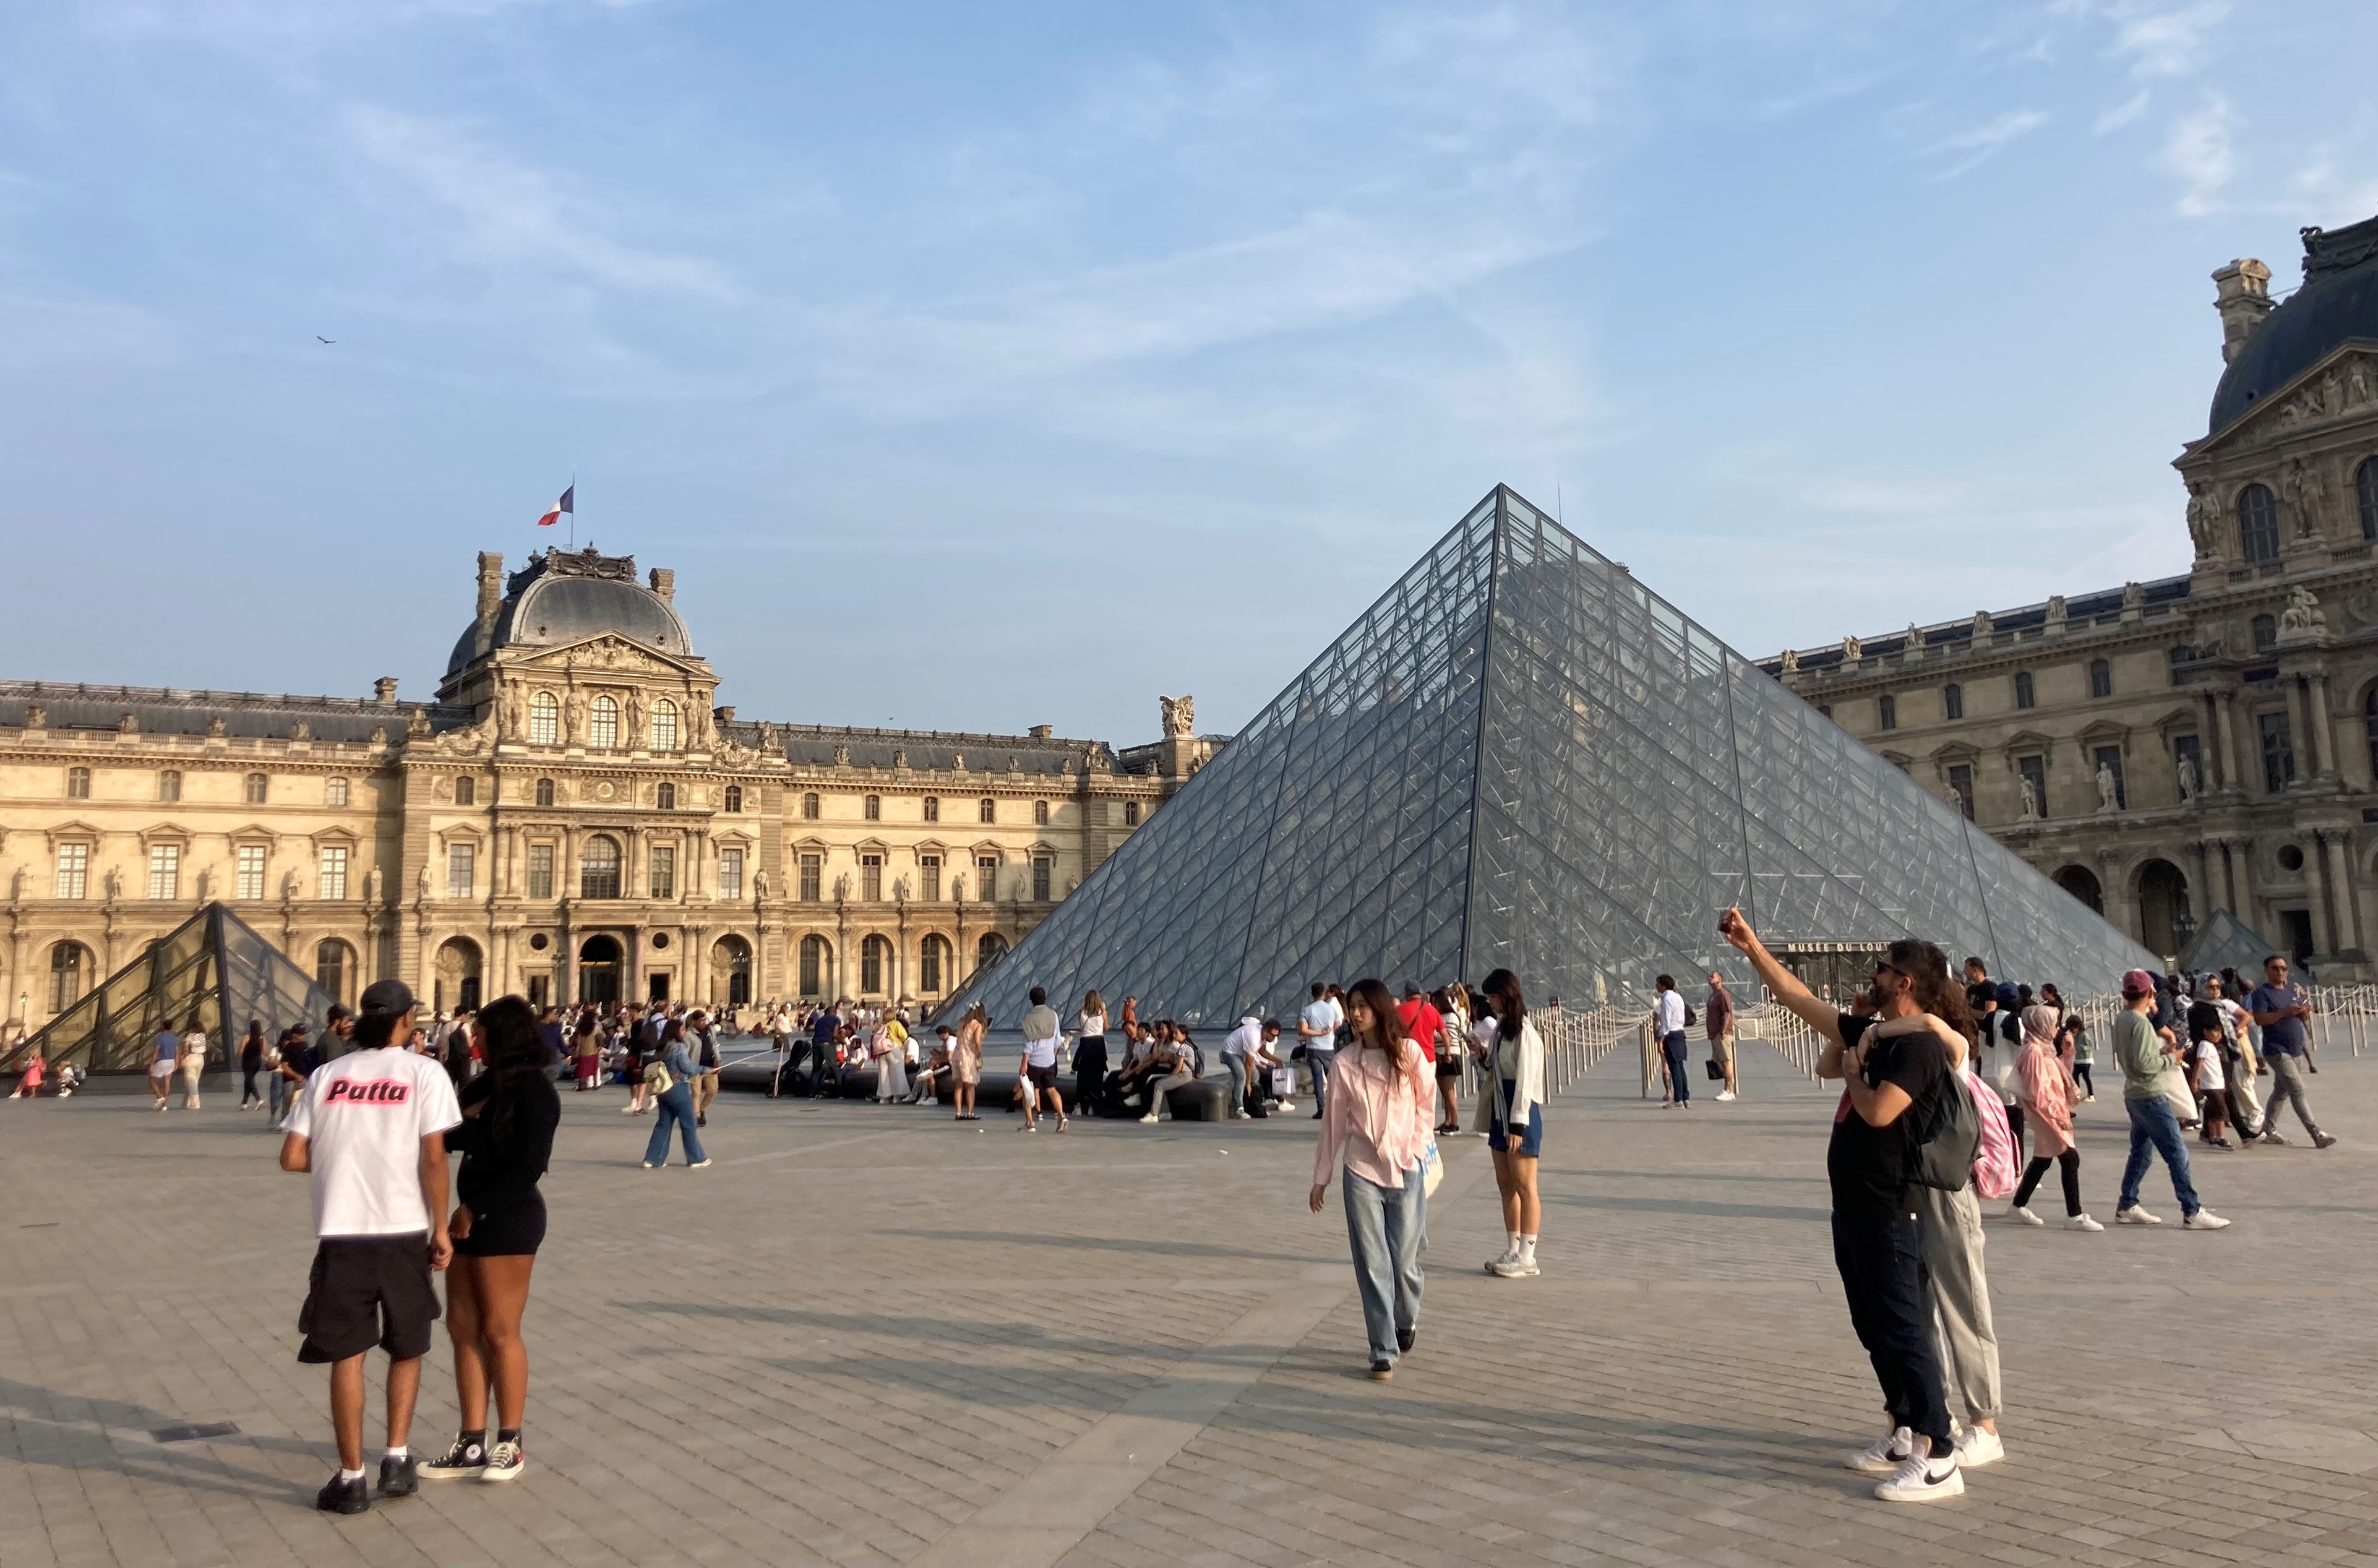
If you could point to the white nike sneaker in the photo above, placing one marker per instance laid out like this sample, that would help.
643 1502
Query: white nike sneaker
2134 1215
1885 1454
2204 1219
1976 1448
1924 1480
2081 1222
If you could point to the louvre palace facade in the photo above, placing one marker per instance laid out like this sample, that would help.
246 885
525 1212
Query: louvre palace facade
2208 741
571 817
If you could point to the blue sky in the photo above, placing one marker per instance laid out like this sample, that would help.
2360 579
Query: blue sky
980 366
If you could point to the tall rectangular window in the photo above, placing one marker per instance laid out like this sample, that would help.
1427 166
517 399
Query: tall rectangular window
2278 752
466 791
730 872
1887 711
1961 779
808 806
812 875
2108 759
986 877
165 870
871 877
332 880
928 877
462 861
1130 813
78 784
334 791
933 808
664 871
1042 867
74 870
169 784
248 873
540 870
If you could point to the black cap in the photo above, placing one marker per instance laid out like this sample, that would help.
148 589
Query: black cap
1411 989
338 1010
386 998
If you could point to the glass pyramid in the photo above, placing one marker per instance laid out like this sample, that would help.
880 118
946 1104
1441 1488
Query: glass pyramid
213 967
1522 756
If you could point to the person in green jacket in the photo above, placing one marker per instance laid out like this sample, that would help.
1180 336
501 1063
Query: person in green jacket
2144 1053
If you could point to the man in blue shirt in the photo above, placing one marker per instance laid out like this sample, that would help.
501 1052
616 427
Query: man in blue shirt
2279 1009
822 1030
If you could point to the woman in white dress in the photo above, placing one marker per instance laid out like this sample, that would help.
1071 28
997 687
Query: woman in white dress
891 1075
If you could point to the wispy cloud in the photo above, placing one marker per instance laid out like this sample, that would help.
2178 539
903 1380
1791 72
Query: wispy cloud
2164 43
2123 113
2200 153
1968 150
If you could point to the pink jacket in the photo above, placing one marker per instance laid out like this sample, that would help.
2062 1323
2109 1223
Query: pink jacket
1379 1119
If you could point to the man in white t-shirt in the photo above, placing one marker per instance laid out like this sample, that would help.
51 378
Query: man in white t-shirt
1042 1039
369 1129
1317 1031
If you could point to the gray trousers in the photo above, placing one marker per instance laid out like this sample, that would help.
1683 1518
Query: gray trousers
2288 1085
1959 1294
1383 1229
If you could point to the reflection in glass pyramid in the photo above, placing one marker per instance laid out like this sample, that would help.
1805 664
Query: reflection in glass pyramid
1520 756
213 967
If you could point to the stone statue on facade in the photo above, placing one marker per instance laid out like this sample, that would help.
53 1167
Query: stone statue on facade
301 730
206 883
2357 381
842 756
417 724
112 885
2204 518
769 743
2303 613
2187 781
421 884
573 715
371 885
760 886
1981 628
1180 714
636 736
2108 792
1852 650
842 887
37 717
2027 801
2307 495
1791 661
216 728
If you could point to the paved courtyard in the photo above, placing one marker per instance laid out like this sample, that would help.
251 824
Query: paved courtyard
870 1336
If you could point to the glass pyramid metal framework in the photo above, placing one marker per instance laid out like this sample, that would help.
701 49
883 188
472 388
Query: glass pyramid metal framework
213 967
1520 756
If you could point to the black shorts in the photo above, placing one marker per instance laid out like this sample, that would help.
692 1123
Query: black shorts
1449 1066
510 1232
1041 1077
368 1291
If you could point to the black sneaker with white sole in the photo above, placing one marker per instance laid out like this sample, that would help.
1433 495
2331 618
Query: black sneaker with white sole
461 1463
398 1477
340 1495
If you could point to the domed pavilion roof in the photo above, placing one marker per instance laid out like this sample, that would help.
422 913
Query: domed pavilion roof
2338 304
562 597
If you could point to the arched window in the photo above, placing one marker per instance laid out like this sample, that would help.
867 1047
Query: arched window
544 718
253 788
78 784
334 791
1040 813
815 957
874 808
1953 701
544 791
333 965
875 959
932 964
2025 694
809 805
466 791
169 784
734 797
603 723
987 811
69 970
933 808
2101 678
1130 813
2267 633
664 797
1887 711
663 726
2258 524
989 950
2365 493
598 867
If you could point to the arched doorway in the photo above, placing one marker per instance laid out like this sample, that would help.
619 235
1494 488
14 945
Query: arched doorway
457 983
2082 884
730 972
70 969
817 965
2166 922
933 965
334 964
600 963
989 950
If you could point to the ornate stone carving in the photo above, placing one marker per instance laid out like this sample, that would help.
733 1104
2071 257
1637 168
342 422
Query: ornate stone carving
2026 801
635 718
1791 661
573 715
769 743
2303 615
1852 650
513 724
2306 491
1981 628
842 756
379 735
128 725
2204 518
301 730
417 724
2108 791
216 728
37 717
899 759
2189 784
1179 716
734 754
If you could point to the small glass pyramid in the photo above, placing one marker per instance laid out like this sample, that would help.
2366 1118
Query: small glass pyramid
212 967
1520 757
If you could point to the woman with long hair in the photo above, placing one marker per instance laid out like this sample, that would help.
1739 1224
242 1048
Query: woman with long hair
1515 1123
675 1102
1376 1132
965 1061
509 1112
1091 1054
251 1062
586 1052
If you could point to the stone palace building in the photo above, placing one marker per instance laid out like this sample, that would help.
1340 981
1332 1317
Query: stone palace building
571 817
2209 741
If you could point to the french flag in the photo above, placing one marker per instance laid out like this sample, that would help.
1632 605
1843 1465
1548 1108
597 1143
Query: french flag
553 513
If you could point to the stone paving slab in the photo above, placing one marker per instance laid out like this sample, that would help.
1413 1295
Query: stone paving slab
869 1336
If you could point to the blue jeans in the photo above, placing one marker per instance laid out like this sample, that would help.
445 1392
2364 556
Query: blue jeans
273 1085
1237 1066
2153 1123
1680 1083
1317 1063
677 1106
1382 1227
1882 1264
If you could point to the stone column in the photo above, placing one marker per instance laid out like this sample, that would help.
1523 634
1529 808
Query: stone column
566 874
2324 724
2309 759
2225 725
2119 911
2241 869
632 963
697 963
2323 926
566 954
2338 844
2225 881
2200 882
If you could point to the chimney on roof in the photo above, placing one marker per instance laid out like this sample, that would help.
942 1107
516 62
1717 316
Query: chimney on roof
384 692
1041 732
665 584
2241 293
491 586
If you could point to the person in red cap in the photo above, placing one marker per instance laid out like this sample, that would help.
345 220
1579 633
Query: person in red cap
2145 1055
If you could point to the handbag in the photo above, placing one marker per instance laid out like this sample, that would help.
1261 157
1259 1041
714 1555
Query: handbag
1715 1067
657 1079
1298 1054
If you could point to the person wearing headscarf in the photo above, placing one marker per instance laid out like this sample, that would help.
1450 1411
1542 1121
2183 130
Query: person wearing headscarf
2047 1090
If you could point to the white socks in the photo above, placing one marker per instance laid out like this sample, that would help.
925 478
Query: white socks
1527 1249
1510 1243
400 1452
347 1475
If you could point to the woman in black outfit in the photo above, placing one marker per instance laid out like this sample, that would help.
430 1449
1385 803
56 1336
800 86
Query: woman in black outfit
251 1062
509 1112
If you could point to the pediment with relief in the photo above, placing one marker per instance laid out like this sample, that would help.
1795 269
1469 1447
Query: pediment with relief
610 655
2344 383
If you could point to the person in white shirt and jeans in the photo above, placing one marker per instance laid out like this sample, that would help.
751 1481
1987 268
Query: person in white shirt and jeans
1317 1031
369 1129
1669 1012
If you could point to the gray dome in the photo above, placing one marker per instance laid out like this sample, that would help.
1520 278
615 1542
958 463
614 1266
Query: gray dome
2339 303
561 598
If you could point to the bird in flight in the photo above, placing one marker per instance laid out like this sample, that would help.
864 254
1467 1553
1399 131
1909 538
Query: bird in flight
319 338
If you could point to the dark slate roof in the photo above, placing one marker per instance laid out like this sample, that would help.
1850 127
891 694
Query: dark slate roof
2339 303
252 714
562 598
927 750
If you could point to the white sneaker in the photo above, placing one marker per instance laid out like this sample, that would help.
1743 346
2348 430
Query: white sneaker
1148 1120
1238 1116
2081 1222
1515 1268
2204 1219
2134 1215
1885 1454
1976 1448
1288 1105
1924 1480
2021 1214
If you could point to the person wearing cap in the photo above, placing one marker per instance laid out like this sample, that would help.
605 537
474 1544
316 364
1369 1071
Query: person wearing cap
2145 1054
368 1129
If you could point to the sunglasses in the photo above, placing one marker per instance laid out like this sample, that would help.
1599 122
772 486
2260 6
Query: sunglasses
1884 966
